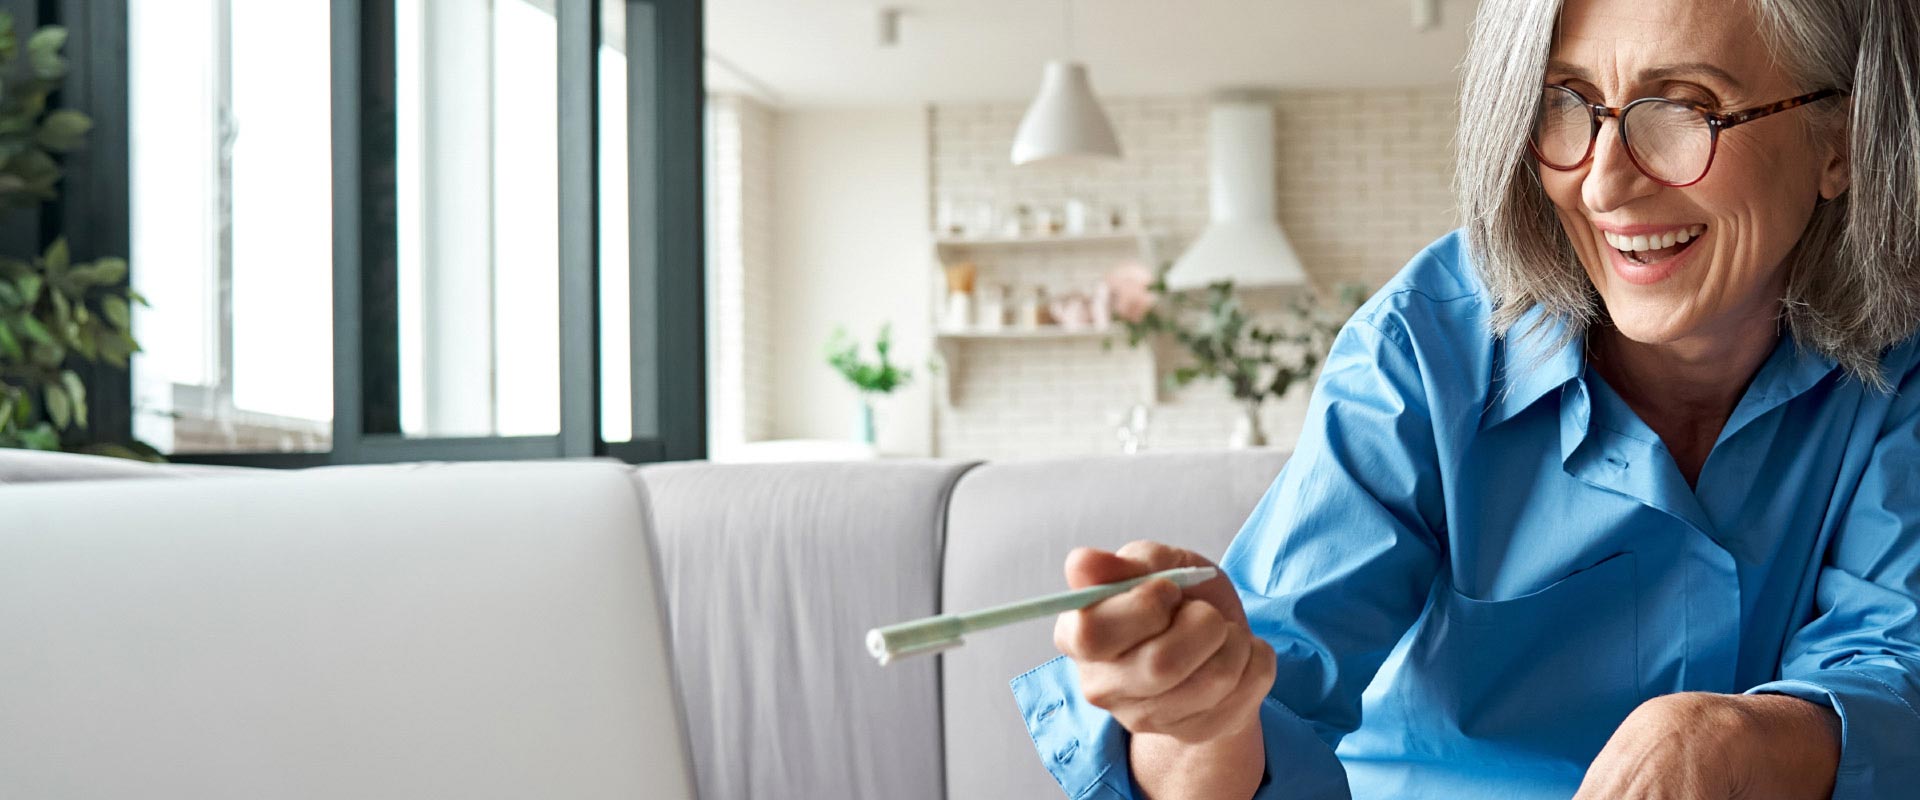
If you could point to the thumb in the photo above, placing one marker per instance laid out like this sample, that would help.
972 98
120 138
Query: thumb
1087 566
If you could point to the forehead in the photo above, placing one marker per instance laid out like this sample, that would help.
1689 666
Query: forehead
1616 39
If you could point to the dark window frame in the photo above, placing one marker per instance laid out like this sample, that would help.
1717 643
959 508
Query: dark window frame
667 243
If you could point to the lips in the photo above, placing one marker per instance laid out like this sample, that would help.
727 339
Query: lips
1653 247
1648 256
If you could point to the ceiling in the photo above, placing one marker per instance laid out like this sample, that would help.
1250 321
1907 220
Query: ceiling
805 53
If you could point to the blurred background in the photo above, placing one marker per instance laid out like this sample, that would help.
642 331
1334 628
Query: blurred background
390 229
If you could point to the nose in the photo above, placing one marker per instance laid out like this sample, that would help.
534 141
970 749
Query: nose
1612 180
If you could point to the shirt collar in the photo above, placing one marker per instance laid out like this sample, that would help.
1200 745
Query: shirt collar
1790 371
1534 357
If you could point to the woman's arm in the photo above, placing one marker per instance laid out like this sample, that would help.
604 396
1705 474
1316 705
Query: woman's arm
1700 744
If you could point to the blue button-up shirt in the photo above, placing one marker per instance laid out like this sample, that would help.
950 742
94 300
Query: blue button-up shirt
1479 560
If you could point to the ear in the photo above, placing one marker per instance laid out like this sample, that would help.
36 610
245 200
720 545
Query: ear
1837 174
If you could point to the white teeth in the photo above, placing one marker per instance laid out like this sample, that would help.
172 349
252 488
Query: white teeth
1633 244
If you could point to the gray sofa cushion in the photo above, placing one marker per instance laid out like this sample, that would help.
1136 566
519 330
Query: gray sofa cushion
774 574
1009 529
40 466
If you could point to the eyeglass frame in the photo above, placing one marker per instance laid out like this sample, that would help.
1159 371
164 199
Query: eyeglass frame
1717 121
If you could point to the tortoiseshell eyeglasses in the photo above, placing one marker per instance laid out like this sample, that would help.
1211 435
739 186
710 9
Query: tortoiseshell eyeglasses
1669 141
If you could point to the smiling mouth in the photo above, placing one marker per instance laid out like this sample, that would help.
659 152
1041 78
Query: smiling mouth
1653 249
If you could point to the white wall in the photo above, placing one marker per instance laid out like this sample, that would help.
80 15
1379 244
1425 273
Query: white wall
851 247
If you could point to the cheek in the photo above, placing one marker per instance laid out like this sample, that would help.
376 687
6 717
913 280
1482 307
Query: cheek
1563 190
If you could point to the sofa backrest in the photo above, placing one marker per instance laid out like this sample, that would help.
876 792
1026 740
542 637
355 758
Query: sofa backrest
473 631
775 572
41 466
1010 526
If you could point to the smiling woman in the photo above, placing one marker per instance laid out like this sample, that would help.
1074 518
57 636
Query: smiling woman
1838 254
1612 492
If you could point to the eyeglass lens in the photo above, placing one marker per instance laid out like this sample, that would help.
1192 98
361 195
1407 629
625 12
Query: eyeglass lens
1670 142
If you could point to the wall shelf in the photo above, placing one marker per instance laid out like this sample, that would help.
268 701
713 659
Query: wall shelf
949 343
1116 238
1044 332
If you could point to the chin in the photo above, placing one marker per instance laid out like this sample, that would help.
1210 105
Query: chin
1649 322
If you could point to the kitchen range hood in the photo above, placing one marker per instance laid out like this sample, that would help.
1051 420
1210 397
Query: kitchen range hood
1243 241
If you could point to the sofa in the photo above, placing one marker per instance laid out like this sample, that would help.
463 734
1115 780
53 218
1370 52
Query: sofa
773 573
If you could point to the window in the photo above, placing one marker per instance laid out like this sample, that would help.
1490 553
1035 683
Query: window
231 235
415 229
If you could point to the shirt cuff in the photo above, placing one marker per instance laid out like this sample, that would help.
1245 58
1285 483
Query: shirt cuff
1878 726
1086 750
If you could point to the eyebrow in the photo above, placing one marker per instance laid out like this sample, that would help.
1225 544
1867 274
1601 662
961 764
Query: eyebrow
1666 72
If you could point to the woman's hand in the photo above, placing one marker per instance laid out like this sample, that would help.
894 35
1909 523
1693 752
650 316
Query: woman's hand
1179 669
1704 745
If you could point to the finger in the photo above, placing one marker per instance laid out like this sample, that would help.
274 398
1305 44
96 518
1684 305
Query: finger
1117 624
1192 639
1087 566
1240 707
1210 685
1156 556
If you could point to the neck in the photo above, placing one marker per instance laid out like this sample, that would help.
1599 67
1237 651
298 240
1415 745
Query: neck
1694 378
1685 390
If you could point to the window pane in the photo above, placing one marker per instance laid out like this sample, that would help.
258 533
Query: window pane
616 342
231 227
282 210
478 241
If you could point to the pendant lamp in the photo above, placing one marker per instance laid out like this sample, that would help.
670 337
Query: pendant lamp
1065 122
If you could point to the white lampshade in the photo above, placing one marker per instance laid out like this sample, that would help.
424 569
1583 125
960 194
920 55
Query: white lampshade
1065 121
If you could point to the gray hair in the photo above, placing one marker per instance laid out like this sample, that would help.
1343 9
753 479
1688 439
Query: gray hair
1853 279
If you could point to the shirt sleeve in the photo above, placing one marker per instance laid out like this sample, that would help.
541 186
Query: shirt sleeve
1860 654
1333 567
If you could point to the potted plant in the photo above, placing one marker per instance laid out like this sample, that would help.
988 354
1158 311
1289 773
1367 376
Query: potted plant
871 378
54 313
1257 360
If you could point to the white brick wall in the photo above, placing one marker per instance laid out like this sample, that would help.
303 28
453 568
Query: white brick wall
740 269
1362 186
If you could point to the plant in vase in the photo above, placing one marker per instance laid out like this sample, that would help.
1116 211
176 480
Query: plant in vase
871 378
55 314
1258 356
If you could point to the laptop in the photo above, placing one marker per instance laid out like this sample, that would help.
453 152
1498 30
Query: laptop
457 631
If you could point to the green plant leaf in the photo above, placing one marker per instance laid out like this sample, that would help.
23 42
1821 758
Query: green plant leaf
36 331
77 393
37 173
109 271
9 296
81 343
49 356
113 347
43 52
64 130
29 285
9 345
57 258
40 437
6 35
59 408
116 312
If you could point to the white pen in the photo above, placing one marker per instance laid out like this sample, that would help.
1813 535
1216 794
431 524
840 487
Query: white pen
934 634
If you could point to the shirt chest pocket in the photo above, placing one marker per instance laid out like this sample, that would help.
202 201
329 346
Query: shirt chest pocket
1550 673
